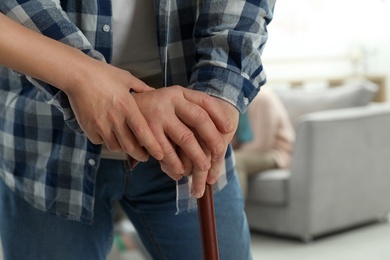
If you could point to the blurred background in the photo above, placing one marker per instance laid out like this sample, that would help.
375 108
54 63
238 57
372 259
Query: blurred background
314 39
314 45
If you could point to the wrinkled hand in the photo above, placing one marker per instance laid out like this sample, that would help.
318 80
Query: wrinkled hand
194 130
108 114
175 114
200 177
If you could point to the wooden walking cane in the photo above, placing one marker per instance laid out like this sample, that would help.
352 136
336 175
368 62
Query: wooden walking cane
208 230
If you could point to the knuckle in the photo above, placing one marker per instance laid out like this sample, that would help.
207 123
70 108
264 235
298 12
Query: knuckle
139 131
171 165
206 100
217 159
201 116
168 150
175 87
187 137
215 144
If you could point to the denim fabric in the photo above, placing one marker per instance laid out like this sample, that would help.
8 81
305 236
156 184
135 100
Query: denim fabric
147 196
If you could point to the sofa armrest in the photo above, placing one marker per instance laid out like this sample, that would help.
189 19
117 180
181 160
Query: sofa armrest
341 161
269 188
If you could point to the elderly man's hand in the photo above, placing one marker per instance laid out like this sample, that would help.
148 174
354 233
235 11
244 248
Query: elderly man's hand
200 177
179 118
194 130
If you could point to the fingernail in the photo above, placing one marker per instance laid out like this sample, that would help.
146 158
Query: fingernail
210 180
197 194
213 176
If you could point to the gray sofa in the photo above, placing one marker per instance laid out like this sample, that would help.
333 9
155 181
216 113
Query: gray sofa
340 172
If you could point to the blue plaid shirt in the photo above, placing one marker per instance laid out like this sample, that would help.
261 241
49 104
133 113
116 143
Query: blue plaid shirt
214 46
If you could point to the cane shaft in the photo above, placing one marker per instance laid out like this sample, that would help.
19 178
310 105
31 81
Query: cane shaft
208 230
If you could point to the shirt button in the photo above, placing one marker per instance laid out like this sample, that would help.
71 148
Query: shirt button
106 28
91 162
246 101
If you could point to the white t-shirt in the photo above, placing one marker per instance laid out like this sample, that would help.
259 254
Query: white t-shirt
134 37
134 46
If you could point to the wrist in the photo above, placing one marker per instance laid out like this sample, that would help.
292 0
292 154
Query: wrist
79 72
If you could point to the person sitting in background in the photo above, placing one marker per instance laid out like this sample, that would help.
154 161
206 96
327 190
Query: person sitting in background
264 139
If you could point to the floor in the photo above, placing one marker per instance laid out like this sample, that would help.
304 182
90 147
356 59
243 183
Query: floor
369 242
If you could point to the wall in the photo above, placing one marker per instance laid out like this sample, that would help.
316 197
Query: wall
328 38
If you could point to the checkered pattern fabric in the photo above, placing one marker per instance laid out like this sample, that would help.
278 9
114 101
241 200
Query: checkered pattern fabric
212 46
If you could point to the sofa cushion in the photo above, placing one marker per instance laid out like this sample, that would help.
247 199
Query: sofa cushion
269 187
302 101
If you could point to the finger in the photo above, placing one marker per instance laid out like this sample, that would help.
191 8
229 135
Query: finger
140 128
92 133
199 177
197 118
120 138
165 168
94 137
109 138
216 112
130 146
217 160
198 183
182 136
112 143
186 162
171 160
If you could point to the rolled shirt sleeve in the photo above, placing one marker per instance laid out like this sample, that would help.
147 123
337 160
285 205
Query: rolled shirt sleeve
230 38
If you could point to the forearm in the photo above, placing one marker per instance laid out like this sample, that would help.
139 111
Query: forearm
49 19
48 60
109 117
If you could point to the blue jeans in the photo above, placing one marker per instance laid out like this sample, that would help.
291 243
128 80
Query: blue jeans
147 196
